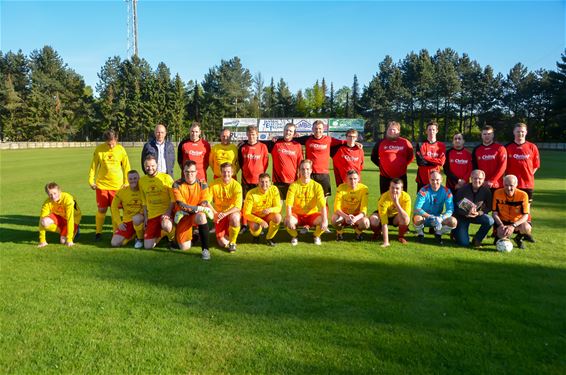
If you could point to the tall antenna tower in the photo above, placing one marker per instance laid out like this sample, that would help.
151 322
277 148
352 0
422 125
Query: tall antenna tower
132 48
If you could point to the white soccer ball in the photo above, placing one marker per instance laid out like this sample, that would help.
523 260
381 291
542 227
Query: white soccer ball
504 245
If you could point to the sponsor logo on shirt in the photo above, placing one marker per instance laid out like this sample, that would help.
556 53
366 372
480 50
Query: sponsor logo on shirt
394 148
196 153
351 158
287 152
520 156
318 146
488 157
432 154
459 161
253 157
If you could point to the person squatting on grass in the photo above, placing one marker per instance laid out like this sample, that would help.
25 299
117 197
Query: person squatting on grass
227 205
192 199
430 202
511 212
131 223
262 209
351 206
107 173
60 213
473 204
393 208
157 200
306 205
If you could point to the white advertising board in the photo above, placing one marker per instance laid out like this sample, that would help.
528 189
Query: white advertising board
272 125
238 122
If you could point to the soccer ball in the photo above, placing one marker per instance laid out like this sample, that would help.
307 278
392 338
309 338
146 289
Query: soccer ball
504 245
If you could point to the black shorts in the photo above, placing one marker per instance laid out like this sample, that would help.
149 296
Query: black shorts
247 187
389 219
324 180
283 188
529 193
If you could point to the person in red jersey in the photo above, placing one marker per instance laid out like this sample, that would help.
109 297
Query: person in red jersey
490 157
317 147
392 155
253 159
431 155
286 155
347 157
194 148
458 164
523 159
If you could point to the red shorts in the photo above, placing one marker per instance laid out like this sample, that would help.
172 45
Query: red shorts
61 224
184 231
153 228
129 232
306 219
104 198
221 227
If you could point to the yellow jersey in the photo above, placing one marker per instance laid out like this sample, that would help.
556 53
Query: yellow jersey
131 203
386 208
220 154
351 201
226 196
305 199
109 167
156 193
66 207
257 201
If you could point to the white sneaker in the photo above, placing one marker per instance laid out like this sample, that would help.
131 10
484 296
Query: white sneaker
138 244
294 241
317 241
205 254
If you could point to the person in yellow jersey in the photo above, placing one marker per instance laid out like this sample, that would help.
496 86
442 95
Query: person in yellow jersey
157 200
393 208
131 224
262 209
224 152
60 213
351 206
227 205
306 205
107 174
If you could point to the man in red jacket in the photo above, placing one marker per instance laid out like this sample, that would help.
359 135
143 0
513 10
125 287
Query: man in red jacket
194 148
458 164
431 155
490 157
392 155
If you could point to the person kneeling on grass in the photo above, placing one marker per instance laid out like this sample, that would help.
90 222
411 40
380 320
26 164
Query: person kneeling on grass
431 199
351 206
192 197
393 208
262 209
473 205
129 198
306 205
60 213
511 212
227 201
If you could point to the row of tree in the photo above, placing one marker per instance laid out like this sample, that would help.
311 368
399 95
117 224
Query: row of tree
42 99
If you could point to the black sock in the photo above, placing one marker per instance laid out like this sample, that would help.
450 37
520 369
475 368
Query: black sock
203 233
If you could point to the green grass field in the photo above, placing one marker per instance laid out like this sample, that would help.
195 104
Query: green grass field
340 308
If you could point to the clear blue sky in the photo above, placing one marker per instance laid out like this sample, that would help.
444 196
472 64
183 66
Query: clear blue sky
298 41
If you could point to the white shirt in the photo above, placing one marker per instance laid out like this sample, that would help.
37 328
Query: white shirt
161 165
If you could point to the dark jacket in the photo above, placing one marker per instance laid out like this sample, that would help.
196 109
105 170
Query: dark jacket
483 195
150 148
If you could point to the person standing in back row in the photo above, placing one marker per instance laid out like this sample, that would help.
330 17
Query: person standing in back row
162 149
431 155
490 157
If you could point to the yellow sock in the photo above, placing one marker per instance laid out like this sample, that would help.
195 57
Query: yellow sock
99 221
42 230
139 231
256 232
233 233
272 231
292 232
318 231
171 235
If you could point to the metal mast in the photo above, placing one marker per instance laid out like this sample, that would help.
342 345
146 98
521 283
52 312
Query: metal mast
132 47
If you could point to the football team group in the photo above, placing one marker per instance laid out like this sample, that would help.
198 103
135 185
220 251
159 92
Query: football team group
491 186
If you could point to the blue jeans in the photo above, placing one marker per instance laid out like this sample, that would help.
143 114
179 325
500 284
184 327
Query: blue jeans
461 231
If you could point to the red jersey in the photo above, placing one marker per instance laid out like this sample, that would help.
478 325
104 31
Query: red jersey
198 151
286 157
522 161
430 157
345 158
458 166
318 150
253 160
392 156
492 160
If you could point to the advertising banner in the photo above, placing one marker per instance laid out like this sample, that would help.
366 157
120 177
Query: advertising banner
342 136
304 125
272 125
238 122
343 124
239 136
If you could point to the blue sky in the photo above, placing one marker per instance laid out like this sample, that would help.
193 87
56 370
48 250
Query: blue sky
298 41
